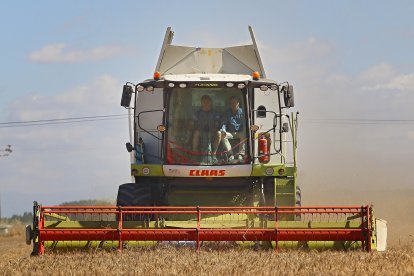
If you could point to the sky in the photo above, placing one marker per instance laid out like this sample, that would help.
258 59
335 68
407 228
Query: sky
351 64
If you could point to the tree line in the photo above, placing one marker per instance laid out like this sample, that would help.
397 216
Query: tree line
28 216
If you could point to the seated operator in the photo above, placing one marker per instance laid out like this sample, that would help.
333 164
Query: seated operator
206 137
232 128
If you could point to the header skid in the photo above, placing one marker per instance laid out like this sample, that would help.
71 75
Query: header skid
174 59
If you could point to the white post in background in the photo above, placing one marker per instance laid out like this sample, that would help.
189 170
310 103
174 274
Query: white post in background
4 153
0 206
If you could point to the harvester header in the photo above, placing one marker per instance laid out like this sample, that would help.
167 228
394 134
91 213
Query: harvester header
339 227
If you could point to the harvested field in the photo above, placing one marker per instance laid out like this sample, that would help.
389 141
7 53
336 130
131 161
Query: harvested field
15 260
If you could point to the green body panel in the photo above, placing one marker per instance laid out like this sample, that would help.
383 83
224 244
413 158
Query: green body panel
260 169
217 191
374 230
285 191
56 216
212 223
154 170
313 245
290 171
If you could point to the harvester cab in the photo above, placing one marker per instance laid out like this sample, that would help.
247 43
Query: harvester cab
213 158
210 128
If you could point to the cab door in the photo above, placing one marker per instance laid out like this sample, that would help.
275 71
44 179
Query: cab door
149 115
266 108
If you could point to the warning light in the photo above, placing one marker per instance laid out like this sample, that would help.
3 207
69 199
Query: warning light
157 75
256 75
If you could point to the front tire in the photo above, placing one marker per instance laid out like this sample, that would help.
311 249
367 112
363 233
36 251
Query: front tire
133 194
298 202
298 197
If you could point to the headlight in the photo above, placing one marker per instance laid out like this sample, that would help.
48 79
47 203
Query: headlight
183 85
229 84
140 88
273 87
264 87
150 88
171 84
269 171
241 85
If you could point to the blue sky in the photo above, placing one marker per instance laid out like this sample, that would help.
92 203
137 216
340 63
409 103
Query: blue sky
348 59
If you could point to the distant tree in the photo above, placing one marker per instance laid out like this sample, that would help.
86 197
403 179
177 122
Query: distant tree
26 217
87 202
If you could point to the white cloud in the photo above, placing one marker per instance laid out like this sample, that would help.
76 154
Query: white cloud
401 82
98 97
59 53
384 77
324 90
378 73
311 49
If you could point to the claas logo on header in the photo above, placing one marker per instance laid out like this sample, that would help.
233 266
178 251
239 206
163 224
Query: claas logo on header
207 172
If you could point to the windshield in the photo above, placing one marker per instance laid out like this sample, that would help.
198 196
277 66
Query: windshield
207 127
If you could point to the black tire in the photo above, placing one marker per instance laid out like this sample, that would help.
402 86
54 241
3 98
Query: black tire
126 195
29 234
133 194
157 187
298 202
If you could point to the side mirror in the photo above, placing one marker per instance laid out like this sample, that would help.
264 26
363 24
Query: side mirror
126 96
288 96
261 112
285 127
129 147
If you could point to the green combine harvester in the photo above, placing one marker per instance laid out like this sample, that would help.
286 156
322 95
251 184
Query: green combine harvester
213 158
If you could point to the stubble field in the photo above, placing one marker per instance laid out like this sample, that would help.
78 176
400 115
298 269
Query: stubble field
225 260
229 260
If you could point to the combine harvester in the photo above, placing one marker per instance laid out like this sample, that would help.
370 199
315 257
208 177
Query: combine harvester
213 155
